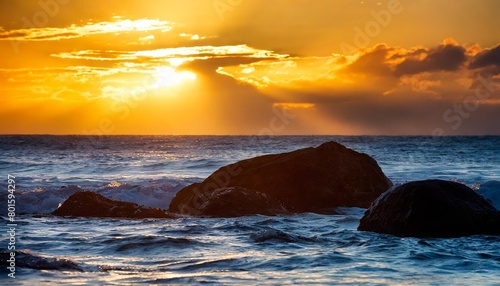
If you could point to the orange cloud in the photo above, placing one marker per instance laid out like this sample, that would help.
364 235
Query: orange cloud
74 31
175 56
423 69
293 105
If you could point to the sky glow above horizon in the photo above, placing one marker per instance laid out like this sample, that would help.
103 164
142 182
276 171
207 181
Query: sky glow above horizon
218 67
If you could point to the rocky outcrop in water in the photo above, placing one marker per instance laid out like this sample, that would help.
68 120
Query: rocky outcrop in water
237 201
305 180
431 208
90 204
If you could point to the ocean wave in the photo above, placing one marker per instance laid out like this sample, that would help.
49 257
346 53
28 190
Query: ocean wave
294 249
352 211
210 264
280 236
236 226
206 163
152 193
188 229
28 259
491 191
145 243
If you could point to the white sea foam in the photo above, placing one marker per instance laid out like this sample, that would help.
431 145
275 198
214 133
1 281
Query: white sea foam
155 193
491 191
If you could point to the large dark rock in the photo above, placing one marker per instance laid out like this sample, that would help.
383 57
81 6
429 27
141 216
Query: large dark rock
305 180
90 204
432 208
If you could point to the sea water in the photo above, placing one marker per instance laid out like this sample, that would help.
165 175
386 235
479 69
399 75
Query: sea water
295 249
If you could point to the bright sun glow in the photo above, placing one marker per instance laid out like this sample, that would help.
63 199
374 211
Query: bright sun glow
356 67
167 76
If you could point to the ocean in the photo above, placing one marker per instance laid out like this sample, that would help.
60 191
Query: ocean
303 248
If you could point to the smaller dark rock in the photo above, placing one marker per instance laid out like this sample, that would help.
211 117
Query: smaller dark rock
431 208
238 201
90 204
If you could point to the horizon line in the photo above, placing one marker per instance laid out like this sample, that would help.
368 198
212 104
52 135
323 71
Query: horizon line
253 135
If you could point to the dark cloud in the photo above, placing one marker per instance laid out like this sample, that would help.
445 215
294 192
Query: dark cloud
12 35
373 62
412 53
416 117
488 57
443 58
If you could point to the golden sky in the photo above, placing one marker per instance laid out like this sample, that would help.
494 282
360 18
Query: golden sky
388 67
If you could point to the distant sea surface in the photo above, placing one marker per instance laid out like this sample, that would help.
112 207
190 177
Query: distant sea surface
296 249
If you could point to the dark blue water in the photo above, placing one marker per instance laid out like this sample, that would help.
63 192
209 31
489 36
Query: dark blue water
298 249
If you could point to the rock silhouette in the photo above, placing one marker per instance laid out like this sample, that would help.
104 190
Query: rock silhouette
90 204
237 201
431 208
306 180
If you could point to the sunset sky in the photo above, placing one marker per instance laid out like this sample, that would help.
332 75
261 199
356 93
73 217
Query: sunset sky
278 67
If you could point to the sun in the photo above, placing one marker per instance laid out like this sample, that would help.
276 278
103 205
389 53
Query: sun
167 76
